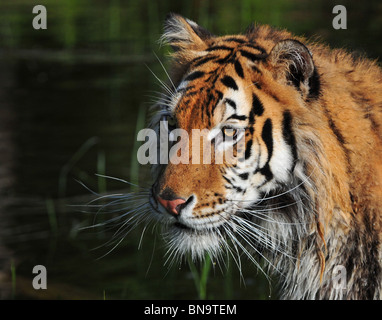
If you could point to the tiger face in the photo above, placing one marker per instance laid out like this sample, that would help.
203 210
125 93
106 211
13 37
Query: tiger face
240 90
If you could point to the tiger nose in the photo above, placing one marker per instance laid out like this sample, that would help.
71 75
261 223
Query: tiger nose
172 206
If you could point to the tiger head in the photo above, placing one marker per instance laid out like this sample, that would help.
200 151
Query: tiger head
246 90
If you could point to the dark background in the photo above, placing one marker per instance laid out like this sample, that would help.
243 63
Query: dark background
72 98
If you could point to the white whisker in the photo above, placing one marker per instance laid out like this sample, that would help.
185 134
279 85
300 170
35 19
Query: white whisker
117 179
168 76
163 84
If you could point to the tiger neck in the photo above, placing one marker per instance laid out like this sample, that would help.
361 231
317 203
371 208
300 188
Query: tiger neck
352 262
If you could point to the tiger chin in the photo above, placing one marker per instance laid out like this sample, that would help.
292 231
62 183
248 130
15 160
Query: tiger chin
305 195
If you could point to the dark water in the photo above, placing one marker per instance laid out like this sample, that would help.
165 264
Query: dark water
70 100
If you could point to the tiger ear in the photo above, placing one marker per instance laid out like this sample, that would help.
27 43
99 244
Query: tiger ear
293 61
184 34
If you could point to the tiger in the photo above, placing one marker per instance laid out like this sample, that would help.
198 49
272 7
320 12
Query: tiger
307 198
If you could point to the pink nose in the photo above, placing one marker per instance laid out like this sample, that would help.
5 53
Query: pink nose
172 206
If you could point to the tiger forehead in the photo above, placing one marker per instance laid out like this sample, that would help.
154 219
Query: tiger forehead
203 101
231 44
231 55
216 77
228 51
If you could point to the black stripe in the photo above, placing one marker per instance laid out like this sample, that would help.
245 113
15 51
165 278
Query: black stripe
256 69
266 171
229 82
204 60
266 135
251 118
274 97
366 105
230 102
248 149
239 69
288 133
244 176
336 132
212 78
252 56
194 75
373 123
219 48
238 117
340 138
226 179
227 59
261 49
220 94
191 93
210 98
235 40
219 97
257 106
314 86
238 189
